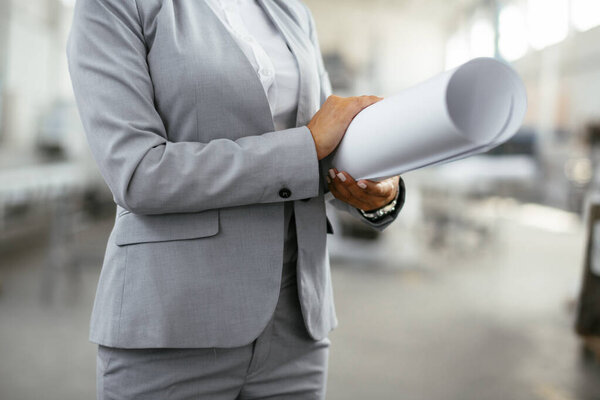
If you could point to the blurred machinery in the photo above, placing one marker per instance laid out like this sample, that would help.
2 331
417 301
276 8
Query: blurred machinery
588 308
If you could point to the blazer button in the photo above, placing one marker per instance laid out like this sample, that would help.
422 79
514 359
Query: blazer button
285 193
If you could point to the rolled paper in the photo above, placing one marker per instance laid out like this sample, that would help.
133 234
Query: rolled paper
463 111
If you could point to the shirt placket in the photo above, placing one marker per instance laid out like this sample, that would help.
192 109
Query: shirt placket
262 62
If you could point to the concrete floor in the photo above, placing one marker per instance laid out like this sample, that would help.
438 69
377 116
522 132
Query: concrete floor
493 325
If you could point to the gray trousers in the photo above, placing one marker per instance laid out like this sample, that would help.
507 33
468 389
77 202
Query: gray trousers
282 363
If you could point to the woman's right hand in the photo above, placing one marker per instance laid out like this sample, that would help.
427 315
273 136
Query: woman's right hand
329 124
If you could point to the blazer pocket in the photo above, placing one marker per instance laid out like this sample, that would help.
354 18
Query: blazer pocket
133 228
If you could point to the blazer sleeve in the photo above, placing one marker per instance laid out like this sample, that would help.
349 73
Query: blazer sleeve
146 173
326 91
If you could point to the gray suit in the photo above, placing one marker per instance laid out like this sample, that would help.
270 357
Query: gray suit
181 129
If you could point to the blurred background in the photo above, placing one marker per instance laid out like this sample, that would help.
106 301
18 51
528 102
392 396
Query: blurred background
473 293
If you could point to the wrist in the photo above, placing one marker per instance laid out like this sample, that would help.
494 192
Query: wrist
382 211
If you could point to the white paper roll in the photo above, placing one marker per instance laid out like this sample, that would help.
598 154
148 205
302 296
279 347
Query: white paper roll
467 110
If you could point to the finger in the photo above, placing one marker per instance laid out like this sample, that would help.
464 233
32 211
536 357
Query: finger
334 189
366 101
339 190
346 198
338 185
357 104
379 189
347 181
346 186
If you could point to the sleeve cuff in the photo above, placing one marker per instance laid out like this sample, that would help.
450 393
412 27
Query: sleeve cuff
297 162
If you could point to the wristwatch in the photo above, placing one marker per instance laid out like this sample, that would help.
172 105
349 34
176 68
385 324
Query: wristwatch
383 211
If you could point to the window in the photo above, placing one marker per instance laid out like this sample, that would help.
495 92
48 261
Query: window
457 50
585 14
481 41
513 33
548 22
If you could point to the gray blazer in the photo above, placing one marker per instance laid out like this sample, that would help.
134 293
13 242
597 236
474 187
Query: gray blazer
180 127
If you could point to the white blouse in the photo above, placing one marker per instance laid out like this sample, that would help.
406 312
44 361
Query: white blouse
277 69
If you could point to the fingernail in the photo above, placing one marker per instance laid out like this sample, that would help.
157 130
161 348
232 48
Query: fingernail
328 179
342 177
331 173
362 185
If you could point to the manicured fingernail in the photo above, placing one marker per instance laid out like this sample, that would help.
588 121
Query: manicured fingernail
328 179
362 185
331 173
342 177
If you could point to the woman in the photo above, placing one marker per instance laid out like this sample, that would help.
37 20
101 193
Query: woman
202 117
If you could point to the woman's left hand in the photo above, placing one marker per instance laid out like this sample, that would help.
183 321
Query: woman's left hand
364 194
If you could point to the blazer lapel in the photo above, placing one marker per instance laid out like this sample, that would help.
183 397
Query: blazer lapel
298 47
240 55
